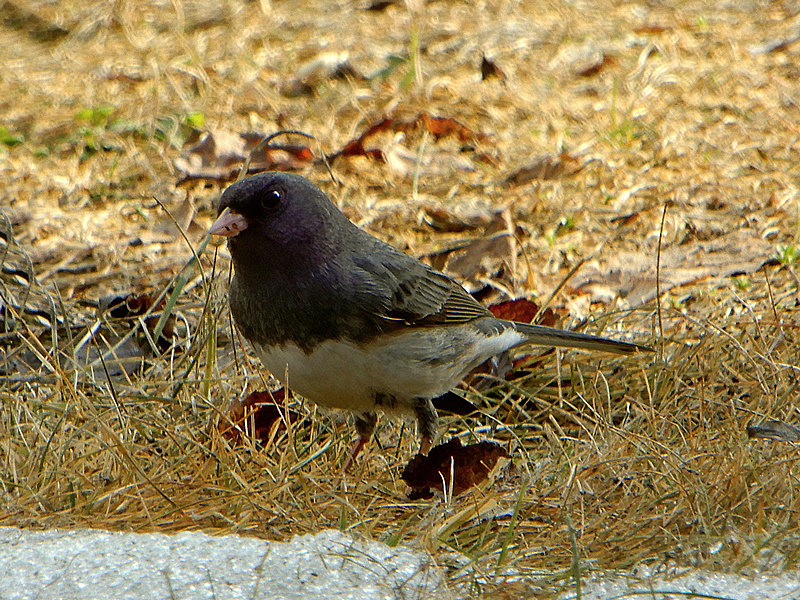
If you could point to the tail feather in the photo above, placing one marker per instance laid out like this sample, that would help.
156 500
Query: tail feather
547 336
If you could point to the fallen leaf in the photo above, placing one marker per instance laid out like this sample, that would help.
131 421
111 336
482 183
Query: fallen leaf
121 357
651 30
170 227
28 312
137 305
323 67
521 310
379 5
778 44
218 156
490 70
116 73
545 168
584 59
626 219
439 127
23 19
469 466
594 64
446 220
632 275
296 88
97 357
774 430
356 147
255 416
453 403
484 256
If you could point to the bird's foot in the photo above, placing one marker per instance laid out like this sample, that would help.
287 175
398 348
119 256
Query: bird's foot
354 450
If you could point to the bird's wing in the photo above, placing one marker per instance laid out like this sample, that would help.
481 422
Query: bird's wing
395 290
393 286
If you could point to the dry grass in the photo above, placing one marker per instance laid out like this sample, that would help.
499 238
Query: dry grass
634 459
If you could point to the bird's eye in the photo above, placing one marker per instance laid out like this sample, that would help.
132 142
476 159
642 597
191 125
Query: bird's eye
271 199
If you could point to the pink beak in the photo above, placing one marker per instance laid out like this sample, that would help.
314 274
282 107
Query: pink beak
228 224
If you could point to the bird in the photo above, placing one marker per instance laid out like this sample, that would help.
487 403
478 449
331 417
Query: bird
348 321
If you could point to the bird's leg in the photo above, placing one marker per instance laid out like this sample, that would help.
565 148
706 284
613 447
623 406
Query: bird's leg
365 425
427 423
425 444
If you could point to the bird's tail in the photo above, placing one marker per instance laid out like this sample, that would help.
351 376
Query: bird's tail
547 336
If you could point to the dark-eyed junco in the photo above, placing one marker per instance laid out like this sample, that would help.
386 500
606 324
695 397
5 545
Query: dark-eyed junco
348 321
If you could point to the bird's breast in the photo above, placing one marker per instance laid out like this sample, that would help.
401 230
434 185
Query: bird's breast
422 362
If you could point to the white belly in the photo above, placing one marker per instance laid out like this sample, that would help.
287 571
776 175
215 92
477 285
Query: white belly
417 363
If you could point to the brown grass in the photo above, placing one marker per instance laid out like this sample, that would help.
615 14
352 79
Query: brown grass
641 459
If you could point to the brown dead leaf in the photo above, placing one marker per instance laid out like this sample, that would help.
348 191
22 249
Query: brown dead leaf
97 355
443 219
356 146
323 67
22 18
545 168
277 156
490 70
453 403
379 5
441 127
651 30
137 305
438 127
255 416
469 466
632 275
595 63
218 156
170 227
296 88
584 59
627 219
127 75
774 430
484 256
778 44
523 310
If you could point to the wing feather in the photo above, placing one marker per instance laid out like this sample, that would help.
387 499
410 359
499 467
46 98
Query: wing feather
396 287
